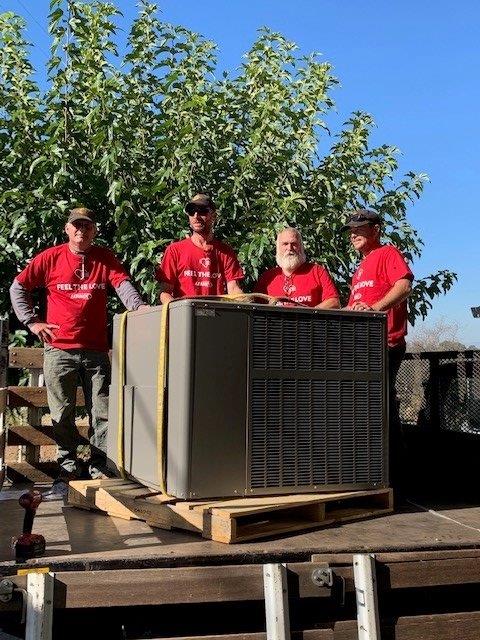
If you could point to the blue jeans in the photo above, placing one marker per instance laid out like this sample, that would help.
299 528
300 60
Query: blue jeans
63 371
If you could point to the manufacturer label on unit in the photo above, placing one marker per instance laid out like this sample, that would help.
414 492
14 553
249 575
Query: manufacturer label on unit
208 313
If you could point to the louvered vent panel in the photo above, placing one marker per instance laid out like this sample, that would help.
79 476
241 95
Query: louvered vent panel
316 343
316 401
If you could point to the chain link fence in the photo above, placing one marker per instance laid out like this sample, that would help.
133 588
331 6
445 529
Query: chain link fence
440 390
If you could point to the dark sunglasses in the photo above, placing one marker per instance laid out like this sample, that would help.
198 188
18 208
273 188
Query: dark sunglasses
202 210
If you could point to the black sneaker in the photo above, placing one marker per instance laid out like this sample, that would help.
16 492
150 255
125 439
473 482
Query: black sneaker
59 488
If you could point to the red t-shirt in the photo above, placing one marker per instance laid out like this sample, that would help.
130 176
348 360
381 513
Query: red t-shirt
193 271
76 287
375 276
310 284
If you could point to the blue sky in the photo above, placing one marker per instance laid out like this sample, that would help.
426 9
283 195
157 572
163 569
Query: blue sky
413 65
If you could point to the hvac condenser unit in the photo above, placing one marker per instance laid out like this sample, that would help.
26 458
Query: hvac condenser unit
260 399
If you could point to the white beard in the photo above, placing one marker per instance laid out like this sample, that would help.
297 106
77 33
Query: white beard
290 262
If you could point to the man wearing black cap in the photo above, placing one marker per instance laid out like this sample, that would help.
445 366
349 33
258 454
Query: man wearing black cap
199 265
75 276
382 282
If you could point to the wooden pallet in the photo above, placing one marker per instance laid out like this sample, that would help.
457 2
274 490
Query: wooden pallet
228 521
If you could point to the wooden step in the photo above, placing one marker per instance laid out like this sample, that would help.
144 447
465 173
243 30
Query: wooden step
40 472
25 357
34 397
38 436
229 521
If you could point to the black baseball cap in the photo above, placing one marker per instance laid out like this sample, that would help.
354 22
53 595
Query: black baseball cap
200 200
361 217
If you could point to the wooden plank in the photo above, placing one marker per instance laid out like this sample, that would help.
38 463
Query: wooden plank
399 556
41 435
263 525
251 505
450 626
125 499
309 634
428 573
184 585
41 472
34 397
444 626
238 524
25 357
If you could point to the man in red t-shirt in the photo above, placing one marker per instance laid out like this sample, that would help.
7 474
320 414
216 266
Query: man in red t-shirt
382 282
76 276
295 278
199 265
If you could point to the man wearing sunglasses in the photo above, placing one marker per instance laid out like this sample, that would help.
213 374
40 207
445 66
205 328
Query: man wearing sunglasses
382 282
200 265
76 277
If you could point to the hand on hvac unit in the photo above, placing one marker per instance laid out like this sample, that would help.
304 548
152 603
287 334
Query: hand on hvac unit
360 306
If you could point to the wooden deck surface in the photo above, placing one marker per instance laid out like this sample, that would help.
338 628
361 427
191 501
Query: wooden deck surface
78 539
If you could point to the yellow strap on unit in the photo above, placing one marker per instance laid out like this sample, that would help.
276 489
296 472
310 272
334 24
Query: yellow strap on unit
161 388
121 384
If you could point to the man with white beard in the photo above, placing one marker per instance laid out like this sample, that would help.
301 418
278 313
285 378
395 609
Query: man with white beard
296 279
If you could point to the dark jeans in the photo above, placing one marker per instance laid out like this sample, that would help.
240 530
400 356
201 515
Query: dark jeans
396 454
63 371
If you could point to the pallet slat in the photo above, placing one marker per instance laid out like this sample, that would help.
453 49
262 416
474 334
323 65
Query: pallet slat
230 520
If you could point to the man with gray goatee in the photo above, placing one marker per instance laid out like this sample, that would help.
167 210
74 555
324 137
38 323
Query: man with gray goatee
296 279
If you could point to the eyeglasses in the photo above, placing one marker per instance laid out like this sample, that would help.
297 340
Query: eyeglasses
202 210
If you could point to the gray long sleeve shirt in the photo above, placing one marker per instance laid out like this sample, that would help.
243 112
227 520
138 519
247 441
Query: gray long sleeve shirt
23 305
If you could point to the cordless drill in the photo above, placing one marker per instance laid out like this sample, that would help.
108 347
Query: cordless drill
28 544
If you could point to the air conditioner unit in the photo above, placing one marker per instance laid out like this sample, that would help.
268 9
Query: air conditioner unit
260 399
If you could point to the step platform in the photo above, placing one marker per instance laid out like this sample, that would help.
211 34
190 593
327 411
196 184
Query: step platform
231 520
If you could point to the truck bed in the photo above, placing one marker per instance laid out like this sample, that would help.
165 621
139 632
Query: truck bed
85 540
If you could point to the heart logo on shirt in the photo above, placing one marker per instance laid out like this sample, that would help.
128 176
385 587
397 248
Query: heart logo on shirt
205 262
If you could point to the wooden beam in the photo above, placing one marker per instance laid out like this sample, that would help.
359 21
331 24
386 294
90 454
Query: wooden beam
428 573
34 397
309 634
25 357
184 585
40 435
39 472
337 559
447 626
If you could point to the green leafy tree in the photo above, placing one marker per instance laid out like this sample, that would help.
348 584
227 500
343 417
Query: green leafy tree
134 137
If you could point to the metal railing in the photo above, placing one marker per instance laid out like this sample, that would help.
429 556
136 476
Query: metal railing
440 390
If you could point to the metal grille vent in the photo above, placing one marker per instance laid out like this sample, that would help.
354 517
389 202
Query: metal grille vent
317 401
316 343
